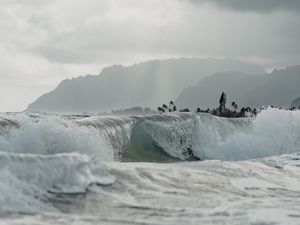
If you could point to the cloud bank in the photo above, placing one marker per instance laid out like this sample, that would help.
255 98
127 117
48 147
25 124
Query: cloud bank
254 5
43 42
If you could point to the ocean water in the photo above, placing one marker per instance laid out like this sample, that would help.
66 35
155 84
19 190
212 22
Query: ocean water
180 168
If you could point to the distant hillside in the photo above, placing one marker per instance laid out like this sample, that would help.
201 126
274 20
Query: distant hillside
146 84
296 103
278 88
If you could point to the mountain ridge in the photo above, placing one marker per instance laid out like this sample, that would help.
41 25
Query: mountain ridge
278 88
146 84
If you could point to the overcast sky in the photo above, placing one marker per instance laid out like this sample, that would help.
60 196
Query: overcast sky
45 41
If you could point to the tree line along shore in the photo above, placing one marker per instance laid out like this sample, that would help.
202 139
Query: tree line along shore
221 111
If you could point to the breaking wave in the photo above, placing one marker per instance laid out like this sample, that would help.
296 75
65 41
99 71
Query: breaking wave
168 137
29 181
42 154
188 136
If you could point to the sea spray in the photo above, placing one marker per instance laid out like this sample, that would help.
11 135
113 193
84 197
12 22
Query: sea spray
181 136
28 180
272 132
45 158
115 131
52 135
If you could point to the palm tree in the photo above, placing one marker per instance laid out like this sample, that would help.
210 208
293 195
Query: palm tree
171 106
233 104
235 107
222 102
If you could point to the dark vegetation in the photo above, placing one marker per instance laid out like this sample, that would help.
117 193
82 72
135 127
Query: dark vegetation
221 111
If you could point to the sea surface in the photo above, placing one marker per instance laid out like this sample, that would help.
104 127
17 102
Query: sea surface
181 168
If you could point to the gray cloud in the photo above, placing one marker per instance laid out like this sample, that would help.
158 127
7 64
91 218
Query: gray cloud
254 5
43 42
167 29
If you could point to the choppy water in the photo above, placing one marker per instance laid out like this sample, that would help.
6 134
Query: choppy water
58 169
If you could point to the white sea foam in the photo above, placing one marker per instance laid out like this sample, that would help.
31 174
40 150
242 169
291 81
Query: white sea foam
46 154
27 179
273 132
52 135
264 191
40 154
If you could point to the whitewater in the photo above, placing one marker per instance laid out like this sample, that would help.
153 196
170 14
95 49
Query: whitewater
177 168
